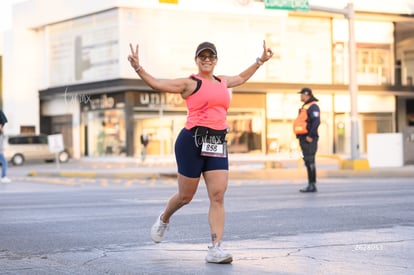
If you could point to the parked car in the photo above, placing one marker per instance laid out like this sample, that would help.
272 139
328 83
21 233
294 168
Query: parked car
19 148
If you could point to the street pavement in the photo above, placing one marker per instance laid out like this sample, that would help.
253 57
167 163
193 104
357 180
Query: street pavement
351 226
348 227
241 167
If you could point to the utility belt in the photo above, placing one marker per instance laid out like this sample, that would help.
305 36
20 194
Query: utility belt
213 142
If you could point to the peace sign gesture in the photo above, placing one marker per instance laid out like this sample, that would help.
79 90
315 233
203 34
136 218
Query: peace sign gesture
133 58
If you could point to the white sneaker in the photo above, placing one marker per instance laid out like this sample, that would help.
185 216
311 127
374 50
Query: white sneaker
5 180
158 230
217 255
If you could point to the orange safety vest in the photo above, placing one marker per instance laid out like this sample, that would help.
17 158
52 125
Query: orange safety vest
299 125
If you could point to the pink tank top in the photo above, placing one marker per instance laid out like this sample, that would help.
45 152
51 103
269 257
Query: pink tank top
208 106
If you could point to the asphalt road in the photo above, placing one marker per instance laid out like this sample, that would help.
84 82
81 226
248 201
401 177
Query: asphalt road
101 226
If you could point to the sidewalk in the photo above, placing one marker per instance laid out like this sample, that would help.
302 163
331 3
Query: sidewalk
241 167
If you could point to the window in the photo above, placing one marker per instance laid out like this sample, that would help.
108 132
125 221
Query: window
27 129
41 139
374 63
19 140
408 68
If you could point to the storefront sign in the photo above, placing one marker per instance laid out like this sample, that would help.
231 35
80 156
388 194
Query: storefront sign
155 99
297 5
104 102
100 102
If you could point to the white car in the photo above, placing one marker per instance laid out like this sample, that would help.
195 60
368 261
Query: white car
19 148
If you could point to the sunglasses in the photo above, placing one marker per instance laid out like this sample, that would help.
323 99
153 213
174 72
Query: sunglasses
210 57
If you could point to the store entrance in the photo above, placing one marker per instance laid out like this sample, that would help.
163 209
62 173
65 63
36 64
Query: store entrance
161 127
104 134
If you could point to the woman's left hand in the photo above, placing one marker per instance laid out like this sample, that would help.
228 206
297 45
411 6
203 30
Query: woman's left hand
267 53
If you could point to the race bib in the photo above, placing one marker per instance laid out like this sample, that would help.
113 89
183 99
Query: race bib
214 150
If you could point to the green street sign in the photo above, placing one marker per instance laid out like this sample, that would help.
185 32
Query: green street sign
293 5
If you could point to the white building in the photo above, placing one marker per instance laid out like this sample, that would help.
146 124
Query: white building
65 70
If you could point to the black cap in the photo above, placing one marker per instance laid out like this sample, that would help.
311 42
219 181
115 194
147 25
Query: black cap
206 46
306 91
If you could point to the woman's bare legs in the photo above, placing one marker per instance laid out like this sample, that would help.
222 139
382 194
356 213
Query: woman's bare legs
216 182
187 187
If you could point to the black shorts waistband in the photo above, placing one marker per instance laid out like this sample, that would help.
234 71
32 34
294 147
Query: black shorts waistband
202 130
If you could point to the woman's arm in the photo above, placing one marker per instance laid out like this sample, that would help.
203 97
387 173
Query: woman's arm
233 81
183 86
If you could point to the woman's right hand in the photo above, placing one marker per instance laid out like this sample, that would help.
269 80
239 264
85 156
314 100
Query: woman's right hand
133 58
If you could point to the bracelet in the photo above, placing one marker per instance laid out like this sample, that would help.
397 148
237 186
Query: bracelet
259 61
138 69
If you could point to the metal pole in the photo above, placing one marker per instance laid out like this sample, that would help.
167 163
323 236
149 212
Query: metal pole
353 87
349 13
160 130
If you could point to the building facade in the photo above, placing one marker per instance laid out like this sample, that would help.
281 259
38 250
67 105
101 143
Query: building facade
68 73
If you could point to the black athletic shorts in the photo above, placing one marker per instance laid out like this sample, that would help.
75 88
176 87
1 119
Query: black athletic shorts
189 161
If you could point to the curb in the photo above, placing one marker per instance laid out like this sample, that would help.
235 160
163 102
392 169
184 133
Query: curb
78 174
301 174
237 174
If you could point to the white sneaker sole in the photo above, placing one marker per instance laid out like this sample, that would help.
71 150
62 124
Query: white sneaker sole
220 261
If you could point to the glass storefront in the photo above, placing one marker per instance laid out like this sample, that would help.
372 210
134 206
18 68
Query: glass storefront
162 117
368 123
163 127
104 133
246 132
376 114
252 130
103 125
282 140
281 112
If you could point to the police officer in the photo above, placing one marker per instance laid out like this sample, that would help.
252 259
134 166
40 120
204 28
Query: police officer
306 130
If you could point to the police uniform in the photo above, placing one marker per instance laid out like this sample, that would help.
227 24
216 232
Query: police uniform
306 125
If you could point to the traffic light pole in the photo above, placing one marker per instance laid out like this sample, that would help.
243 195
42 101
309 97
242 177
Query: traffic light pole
349 13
